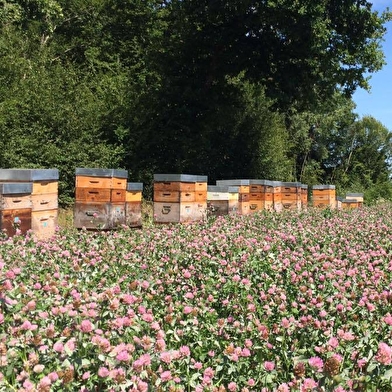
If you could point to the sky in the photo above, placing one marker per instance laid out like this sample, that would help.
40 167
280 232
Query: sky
378 103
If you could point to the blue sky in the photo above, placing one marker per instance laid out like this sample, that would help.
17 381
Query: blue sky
378 103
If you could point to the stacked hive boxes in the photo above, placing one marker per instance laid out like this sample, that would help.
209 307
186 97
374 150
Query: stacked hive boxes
291 195
179 198
261 195
356 197
133 204
15 207
44 197
304 196
324 196
243 193
277 195
100 197
222 200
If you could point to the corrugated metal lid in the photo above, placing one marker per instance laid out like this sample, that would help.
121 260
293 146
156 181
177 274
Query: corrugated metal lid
296 184
223 189
323 187
233 182
354 194
134 186
8 188
99 172
262 182
29 174
179 178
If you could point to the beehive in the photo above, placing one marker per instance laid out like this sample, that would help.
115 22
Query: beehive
304 196
222 200
44 197
133 204
291 195
358 197
349 204
261 195
324 196
179 198
15 207
243 193
277 196
100 198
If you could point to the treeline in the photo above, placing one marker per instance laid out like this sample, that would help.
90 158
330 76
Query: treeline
228 89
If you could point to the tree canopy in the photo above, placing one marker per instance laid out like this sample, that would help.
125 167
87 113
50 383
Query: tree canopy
236 88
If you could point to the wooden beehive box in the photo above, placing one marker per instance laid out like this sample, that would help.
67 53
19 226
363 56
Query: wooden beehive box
358 197
101 178
261 195
222 200
324 196
133 204
243 193
277 195
291 196
15 196
100 198
15 207
349 204
179 198
44 197
304 196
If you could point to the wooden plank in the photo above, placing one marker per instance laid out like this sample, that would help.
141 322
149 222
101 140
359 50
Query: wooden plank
15 202
44 187
44 223
42 202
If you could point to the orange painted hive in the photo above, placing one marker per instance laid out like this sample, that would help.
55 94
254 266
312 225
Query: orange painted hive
324 196
100 198
179 198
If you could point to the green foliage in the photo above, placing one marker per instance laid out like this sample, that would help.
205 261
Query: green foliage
226 89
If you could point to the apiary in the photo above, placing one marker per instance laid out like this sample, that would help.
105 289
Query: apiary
100 198
179 198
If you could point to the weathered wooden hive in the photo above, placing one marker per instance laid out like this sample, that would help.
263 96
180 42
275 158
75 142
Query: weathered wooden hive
44 197
100 198
243 193
133 204
222 200
15 207
324 196
180 198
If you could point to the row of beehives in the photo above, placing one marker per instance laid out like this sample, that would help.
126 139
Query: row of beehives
247 196
29 201
105 200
